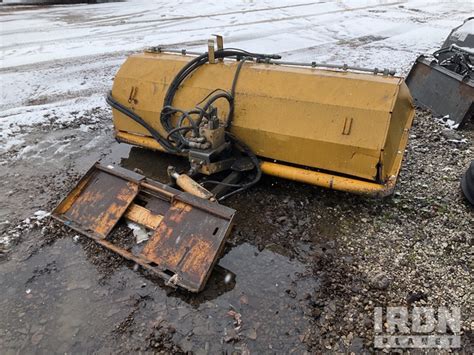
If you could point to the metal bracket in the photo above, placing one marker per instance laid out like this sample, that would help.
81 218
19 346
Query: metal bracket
210 51
220 44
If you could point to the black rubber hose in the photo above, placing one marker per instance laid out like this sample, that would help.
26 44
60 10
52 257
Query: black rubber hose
230 116
178 129
168 111
192 65
179 78
155 134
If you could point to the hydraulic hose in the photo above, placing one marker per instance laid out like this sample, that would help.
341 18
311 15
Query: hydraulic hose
194 64
175 141
126 111
168 111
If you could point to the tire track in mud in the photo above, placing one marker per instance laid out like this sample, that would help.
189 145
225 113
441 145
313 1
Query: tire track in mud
373 37
178 18
141 29
39 100
59 63
91 58
295 17
111 19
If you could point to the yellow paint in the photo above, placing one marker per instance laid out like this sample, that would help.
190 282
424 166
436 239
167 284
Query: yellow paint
327 180
294 115
138 140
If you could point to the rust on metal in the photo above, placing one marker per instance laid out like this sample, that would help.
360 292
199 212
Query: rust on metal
192 257
188 232
97 203
143 216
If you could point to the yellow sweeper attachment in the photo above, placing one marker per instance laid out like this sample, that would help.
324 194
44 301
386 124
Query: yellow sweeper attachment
234 115
340 129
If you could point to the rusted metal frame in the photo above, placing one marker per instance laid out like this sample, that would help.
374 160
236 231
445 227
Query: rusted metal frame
121 251
192 261
60 212
139 179
218 252
191 277
120 172
137 259
191 200
81 185
161 189
158 189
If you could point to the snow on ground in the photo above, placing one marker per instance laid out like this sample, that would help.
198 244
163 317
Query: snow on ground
63 58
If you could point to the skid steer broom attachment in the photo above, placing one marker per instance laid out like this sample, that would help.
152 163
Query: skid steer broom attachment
445 84
235 115
339 127
188 233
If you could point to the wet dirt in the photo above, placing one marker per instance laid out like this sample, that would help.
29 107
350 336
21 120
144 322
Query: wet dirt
64 292
59 299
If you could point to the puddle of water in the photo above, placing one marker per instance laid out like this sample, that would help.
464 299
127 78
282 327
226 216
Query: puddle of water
58 301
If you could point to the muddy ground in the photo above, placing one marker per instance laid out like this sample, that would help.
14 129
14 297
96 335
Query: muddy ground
307 265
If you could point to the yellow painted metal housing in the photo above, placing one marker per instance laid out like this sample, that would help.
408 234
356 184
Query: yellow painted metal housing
349 129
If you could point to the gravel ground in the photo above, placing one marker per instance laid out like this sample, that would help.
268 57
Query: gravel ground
415 249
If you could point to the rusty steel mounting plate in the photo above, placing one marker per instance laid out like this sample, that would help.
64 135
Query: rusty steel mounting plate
188 233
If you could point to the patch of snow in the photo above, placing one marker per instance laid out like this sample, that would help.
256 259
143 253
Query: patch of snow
458 141
39 215
5 241
15 122
84 128
266 26
447 122
139 232
228 278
